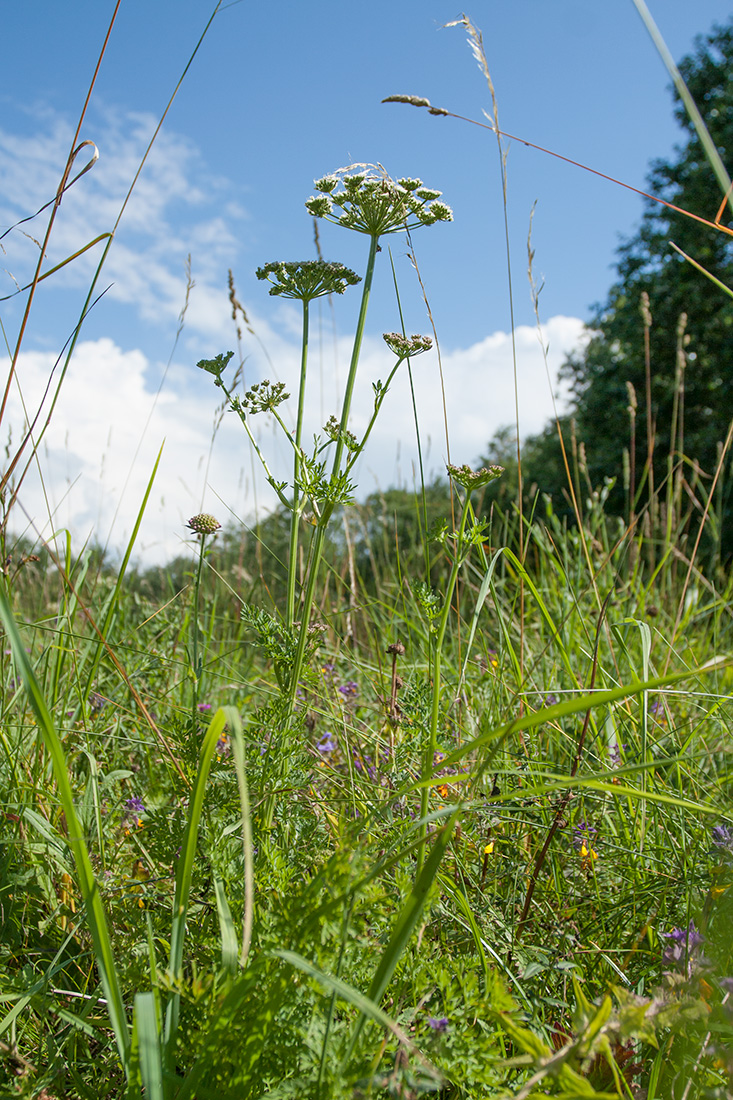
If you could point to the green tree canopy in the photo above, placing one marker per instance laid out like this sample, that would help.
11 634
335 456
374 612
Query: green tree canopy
691 393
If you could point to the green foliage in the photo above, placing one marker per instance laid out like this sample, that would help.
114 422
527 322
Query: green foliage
689 326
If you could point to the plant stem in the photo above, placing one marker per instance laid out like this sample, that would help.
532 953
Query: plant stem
350 381
297 462
320 534
319 537
435 663
195 660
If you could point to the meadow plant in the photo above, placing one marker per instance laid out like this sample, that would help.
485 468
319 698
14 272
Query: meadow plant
371 203
203 525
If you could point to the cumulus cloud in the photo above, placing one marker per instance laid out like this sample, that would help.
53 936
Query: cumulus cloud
174 210
109 423
119 404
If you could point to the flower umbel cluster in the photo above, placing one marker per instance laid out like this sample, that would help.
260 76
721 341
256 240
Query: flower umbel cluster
307 279
216 366
405 346
474 479
261 397
370 202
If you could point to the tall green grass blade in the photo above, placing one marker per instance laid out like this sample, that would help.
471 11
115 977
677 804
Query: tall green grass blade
581 703
229 945
185 869
95 914
703 271
114 596
406 922
234 723
711 152
484 589
151 1063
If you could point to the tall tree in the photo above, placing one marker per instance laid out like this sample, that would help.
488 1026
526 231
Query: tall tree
684 401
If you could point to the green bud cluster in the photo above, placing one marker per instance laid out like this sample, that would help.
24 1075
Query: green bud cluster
332 428
216 366
370 202
307 279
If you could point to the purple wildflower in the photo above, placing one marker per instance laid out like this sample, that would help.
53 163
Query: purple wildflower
204 707
551 700
327 744
584 834
135 805
616 759
723 838
350 689
438 1024
682 950
97 702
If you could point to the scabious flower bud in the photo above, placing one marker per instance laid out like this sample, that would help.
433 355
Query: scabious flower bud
203 524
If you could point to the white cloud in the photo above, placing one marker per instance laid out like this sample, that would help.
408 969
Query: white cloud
106 430
108 425
175 209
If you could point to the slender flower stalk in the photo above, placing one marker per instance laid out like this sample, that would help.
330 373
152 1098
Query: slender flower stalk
202 525
404 348
296 511
302 281
322 524
469 480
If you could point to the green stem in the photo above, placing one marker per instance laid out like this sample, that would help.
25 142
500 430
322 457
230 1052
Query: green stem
243 418
319 538
435 663
350 381
295 512
195 637
320 535
377 406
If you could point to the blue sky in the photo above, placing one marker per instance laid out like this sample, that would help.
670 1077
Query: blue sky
279 94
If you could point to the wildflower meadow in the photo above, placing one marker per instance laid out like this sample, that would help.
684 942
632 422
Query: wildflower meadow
419 793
